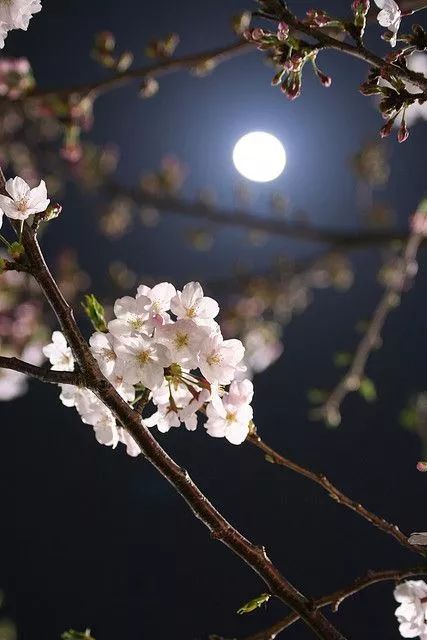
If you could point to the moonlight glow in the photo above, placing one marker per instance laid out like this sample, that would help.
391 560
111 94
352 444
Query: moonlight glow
259 156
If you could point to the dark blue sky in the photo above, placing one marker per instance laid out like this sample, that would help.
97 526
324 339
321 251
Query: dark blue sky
92 538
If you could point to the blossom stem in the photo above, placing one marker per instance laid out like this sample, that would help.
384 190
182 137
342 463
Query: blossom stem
5 242
335 493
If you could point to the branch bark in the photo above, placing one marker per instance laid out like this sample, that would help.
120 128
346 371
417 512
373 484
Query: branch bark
337 597
336 494
44 374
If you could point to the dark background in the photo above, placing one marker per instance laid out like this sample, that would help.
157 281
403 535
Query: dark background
92 538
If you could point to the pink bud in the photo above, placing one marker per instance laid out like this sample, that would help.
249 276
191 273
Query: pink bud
422 466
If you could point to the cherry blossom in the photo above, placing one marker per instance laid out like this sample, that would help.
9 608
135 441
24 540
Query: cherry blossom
102 345
183 339
23 201
132 318
390 16
159 301
230 416
192 303
411 614
184 363
144 360
219 358
59 353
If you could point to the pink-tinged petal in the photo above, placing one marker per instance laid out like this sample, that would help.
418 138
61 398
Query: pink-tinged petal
37 198
208 308
17 188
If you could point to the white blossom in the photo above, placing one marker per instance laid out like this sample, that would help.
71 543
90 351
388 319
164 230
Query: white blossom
144 360
132 448
192 303
390 17
183 339
411 614
102 346
230 416
188 414
159 301
59 353
23 201
16 14
219 358
131 317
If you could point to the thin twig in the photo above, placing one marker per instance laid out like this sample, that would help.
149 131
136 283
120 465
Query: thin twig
218 55
388 302
337 597
336 494
326 41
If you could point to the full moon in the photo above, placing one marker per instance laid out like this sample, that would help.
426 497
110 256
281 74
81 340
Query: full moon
259 156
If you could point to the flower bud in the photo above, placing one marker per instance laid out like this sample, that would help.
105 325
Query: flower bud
422 466
403 133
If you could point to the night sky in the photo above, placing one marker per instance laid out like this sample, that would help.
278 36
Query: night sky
92 538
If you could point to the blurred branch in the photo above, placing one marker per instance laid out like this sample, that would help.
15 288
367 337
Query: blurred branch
163 67
335 493
351 382
174 205
337 597
45 374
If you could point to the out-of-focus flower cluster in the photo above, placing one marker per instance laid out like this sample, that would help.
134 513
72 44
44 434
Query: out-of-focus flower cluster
22 331
16 77
166 343
265 305
412 611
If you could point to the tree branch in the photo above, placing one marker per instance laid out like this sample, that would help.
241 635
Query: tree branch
326 41
337 597
179 478
335 493
174 205
157 69
45 374
388 302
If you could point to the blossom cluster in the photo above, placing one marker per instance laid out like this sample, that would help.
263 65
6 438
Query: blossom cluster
16 14
165 343
412 611
16 77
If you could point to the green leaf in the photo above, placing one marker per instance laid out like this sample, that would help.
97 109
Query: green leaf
409 419
71 634
317 396
367 390
342 359
95 312
254 604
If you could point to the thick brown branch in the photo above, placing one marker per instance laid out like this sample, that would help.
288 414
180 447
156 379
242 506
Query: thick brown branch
335 493
372 337
44 374
337 597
